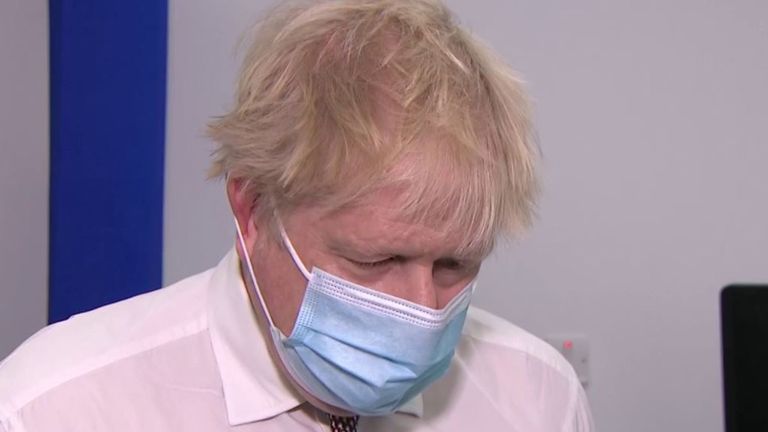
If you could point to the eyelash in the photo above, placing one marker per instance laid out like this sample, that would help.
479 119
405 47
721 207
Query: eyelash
448 265
452 265
374 263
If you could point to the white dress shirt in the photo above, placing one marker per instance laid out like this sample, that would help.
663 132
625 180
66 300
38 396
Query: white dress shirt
190 357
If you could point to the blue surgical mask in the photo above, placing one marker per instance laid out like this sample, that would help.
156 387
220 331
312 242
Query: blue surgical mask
361 350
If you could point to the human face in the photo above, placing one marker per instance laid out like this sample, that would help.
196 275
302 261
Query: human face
370 244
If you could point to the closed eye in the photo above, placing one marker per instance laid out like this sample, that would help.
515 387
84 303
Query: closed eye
450 264
369 264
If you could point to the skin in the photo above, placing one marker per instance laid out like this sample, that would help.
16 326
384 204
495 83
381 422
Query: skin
369 244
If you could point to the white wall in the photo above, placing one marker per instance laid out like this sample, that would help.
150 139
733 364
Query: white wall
23 170
653 122
202 70
652 118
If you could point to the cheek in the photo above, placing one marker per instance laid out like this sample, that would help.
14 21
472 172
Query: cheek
282 286
453 283
446 295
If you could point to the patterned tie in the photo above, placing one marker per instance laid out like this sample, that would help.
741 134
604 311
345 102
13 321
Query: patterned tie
343 424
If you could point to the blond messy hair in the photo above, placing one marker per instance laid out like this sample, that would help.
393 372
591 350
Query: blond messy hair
339 98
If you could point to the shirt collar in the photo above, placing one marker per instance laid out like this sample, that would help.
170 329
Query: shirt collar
254 388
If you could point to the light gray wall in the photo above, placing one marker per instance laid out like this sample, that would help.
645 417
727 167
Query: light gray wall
202 69
652 118
23 169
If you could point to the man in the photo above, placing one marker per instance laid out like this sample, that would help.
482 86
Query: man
374 154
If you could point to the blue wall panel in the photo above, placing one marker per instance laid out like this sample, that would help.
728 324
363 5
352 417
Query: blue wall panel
108 75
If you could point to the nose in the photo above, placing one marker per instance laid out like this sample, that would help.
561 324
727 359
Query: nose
419 286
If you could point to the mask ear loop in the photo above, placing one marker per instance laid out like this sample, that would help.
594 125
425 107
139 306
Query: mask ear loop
252 274
292 251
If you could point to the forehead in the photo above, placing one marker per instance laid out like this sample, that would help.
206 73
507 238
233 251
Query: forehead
378 224
434 195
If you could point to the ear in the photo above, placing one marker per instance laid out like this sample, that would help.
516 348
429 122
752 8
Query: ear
243 207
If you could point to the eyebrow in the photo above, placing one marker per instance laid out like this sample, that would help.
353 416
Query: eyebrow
352 248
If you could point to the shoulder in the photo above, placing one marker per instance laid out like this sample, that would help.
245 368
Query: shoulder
486 328
69 349
516 378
